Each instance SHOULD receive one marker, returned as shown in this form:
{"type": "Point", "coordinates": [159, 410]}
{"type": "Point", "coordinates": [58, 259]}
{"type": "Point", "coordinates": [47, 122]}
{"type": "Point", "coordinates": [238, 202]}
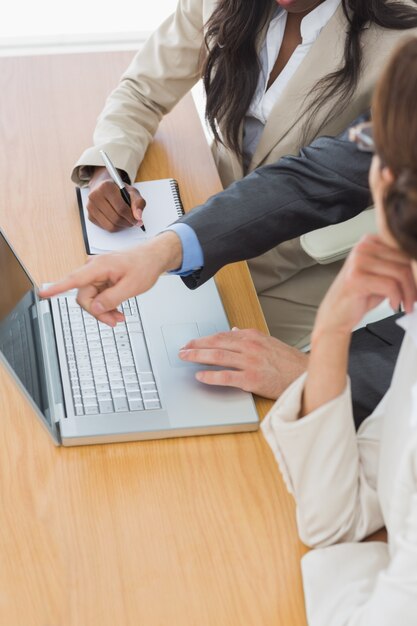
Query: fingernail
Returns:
{"type": "Point", "coordinates": [235, 328]}
{"type": "Point", "coordinates": [182, 352]}
{"type": "Point", "coordinates": [97, 307]}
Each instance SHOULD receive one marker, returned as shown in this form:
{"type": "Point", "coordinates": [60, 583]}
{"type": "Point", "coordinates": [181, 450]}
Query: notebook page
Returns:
{"type": "Point", "coordinates": [163, 206]}
{"type": "Point", "coordinates": [162, 209]}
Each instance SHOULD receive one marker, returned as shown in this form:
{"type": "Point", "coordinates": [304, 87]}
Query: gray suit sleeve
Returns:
{"type": "Point", "coordinates": [326, 184]}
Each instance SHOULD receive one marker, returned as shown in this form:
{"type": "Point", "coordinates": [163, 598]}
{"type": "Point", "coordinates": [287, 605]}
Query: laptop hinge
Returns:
{"type": "Point", "coordinates": [52, 371]}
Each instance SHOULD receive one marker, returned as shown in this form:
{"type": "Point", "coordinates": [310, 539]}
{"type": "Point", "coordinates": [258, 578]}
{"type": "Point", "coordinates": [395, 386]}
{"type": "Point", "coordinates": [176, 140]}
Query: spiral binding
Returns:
{"type": "Point", "coordinates": [177, 198]}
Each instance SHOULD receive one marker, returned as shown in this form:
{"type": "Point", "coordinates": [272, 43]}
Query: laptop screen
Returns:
{"type": "Point", "coordinates": [19, 328]}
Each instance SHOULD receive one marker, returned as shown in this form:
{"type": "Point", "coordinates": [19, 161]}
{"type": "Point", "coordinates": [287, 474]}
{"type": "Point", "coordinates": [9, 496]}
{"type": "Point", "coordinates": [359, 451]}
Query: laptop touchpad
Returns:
{"type": "Point", "coordinates": [177, 335]}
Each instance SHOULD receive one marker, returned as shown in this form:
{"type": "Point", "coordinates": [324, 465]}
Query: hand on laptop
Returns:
{"type": "Point", "coordinates": [106, 207]}
{"type": "Point", "coordinates": [105, 281]}
{"type": "Point", "coordinates": [258, 363]}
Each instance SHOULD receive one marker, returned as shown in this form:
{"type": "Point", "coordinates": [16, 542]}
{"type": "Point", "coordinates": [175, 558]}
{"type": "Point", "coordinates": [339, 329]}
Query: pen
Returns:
{"type": "Point", "coordinates": [115, 176]}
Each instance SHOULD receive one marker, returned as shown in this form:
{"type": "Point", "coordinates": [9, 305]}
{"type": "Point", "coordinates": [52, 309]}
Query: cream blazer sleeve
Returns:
{"type": "Point", "coordinates": [160, 74]}
{"type": "Point", "coordinates": [365, 584]}
{"type": "Point", "coordinates": [347, 485]}
{"type": "Point", "coordinates": [330, 470]}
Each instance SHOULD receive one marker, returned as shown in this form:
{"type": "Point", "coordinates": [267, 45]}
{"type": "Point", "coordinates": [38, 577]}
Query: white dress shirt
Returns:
{"type": "Point", "coordinates": [346, 486]}
{"type": "Point", "coordinates": [264, 99]}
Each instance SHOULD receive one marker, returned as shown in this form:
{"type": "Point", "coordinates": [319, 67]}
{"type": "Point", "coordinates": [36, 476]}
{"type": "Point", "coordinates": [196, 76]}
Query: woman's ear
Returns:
{"type": "Point", "coordinates": [387, 176]}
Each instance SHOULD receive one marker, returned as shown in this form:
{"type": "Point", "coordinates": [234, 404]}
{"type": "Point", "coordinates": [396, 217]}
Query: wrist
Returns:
{"type": "Point", "coordinates": [334, 321]}
{"type": "Point", "coordinates": [327, 334]}
{"type": "Point", "coordinates": [100, 173]}
{"type": "Point", "coordinates": [327, 368]}
{"type": "Point", "coordinates": [329, 348]}
{"type": "Point", "coordinates": [167, 250]}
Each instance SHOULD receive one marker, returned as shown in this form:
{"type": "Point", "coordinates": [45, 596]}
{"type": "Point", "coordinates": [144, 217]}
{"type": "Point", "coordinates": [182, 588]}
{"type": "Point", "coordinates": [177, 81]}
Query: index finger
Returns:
{"type": "Point", "coordinates": [81, 277]}
{"type": "Point", "coordinates": [380, 249]}
{"type": "Point", "coordinates": [228, 340]}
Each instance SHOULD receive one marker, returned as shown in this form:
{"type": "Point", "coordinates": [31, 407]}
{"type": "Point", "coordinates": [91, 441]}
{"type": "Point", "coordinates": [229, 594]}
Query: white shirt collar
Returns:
{"type": "Point", "coordinates": [264, 100]}
{"type": "Point", "coordinates": [409, 323]}
{"type": "Point", "coordinates": [314, 21]}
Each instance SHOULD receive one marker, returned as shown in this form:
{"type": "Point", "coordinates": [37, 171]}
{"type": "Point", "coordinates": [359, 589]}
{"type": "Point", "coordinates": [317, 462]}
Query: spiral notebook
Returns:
{"type": "Point", "coordinates": [163, 207]}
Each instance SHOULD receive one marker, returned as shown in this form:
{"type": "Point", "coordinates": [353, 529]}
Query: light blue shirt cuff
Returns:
{"type": "Point", "coordinates": [192, 252]}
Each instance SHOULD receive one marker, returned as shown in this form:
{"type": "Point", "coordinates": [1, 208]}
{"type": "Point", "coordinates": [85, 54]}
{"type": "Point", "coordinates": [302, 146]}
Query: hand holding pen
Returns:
{"type": "Point", "coordinates": [112, 204]}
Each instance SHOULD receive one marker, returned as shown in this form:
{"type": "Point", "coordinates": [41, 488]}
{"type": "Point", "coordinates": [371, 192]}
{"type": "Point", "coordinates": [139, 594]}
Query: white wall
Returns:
{"type": "Point", "coordinates": [54, 22]}
{"type": "Point", "coordinates": [34, 18]}
{"type": "Point", "coordinates": [51, 26]}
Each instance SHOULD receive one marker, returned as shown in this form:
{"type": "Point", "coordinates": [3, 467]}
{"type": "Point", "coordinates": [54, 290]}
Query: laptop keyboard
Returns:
{"type": "Point", "coordinates": [109, 368]}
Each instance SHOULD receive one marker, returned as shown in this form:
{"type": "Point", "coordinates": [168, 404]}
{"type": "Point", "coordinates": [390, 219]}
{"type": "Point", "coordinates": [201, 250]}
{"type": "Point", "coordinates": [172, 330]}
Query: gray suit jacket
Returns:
{"type": "Point", "coordinates": [326, 184]}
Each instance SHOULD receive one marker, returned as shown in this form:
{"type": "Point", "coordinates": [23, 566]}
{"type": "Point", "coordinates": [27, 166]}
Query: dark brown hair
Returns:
{"type": "Point", "coordinates": [394, 113]}
{"type": "Point", "coordinates": [231, 68]}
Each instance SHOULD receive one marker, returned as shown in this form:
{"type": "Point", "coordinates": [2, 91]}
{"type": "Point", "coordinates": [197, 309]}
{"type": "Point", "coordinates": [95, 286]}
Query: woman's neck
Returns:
{"type": "Point", "coordinates": [291, 39]}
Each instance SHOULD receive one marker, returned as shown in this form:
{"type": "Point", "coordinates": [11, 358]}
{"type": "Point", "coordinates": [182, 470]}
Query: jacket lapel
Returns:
{"type": "Point", "coordinates": [288, 110]}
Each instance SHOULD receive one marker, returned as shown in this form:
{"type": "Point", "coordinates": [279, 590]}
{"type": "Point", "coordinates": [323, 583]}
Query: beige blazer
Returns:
{"type": "Point", "coordinates": [168, 66]}
{"type": "Point", "coordinates": [348, 485]}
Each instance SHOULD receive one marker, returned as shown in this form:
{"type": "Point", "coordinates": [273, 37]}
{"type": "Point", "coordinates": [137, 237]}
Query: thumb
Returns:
{"type": "Point", "coordinates": [137, 204]}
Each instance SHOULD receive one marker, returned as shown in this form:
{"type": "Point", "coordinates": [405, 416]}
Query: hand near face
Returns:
{"type": "Point", "coordinates": [254, 361]}
{"type": "Point", "coordinates": [373, 272]}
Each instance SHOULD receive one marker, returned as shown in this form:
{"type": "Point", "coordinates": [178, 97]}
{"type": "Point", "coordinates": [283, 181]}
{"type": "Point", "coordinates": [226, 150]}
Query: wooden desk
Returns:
{"type": "Point", "coordinates": [185, 532]}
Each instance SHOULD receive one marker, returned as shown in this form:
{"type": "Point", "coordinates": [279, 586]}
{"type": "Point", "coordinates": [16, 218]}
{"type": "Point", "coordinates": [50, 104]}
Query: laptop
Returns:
{"type": "Point", "coordinates": [89, 383]}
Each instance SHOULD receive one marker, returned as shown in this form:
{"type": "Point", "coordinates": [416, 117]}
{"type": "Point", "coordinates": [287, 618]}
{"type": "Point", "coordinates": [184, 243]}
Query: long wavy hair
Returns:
{"type": "Point", "coordinates": [231, 67]}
